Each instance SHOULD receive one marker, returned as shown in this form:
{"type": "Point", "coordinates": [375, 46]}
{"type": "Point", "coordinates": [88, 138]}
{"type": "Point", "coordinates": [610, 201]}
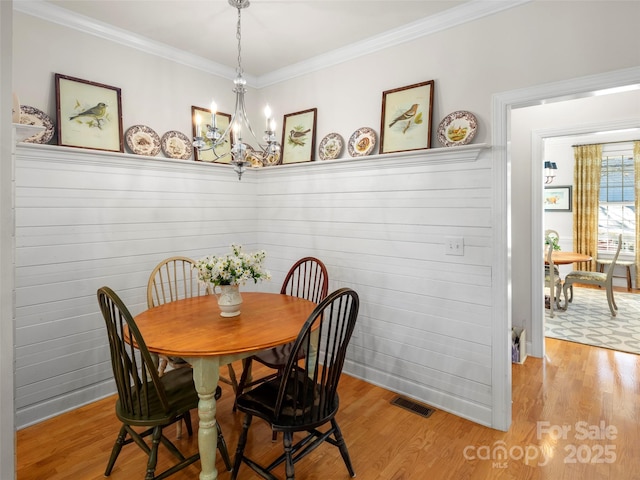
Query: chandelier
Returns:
{"type": "Point", "coordinates": [239, 129]}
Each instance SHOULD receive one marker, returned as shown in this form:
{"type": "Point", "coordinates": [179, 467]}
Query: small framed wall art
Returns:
{"type": "Point", "coordinates": [299, 136]}
{"type": "Point", "coordinates": [407, 118]}
{"type": "Point", "coordinates": [201, 118]}
{"type": "Point", "coordinates": [557, 199]}
{"type": "Point", "coordinates": [89, 114]}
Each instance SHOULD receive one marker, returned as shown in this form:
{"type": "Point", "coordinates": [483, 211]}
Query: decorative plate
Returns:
{"type": "Point", "coordinates": [254, 158]}
{"type": "Point", "coordinates": [457, 128]}
{"type": "Point", "coordinates": [176, 144]}
{"type": "Point", "coordinates": [33, 116]}
{"type": "Point", "coordinates": [331, 146]}
{"type": "Point", "coordinates": [272, 159]}
{"type": "Point", "coordinates": [142, 140]}
{"type": "Point", "coordinates": [362, 142]}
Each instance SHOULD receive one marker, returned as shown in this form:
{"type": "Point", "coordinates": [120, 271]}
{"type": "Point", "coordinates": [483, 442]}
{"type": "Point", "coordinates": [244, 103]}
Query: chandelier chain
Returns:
{"type": "Point", "coordinates": [239, 37]}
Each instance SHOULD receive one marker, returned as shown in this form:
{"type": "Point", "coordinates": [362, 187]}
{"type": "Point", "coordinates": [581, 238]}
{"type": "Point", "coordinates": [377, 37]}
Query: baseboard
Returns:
{"type": "Point", "coordinates": [474, 412]}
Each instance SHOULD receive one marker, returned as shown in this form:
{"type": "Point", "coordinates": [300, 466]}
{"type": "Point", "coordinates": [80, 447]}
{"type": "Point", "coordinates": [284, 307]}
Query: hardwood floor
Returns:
{"type": "Point", "coordinates": [576, 415]}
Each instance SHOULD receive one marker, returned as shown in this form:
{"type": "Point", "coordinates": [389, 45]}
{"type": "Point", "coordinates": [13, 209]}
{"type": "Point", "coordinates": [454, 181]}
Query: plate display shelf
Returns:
{"type": "Point", "coordinates": [432, 156]}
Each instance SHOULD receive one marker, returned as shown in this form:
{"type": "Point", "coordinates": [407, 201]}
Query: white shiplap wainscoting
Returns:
{"type": "Point", "coordinates": [380, 224]}
{"type": "Point", "coordinates": [86, 219]}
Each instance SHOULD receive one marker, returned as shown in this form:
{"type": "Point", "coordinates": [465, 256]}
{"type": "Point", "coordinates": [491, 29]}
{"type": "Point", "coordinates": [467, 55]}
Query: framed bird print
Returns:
{"type": "Point", "coordinates": [299, 136]}
{"type": "Point", "coordinates": [201, 120]}
{"type": "Point", "coordinates": [89, 114]}
{"type": "Point", "coordinates": [406, 118]}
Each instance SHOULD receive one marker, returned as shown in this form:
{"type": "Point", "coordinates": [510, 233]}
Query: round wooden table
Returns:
{"type": "Point", "coordinates": [561, 257]}
{"type": "Point", "coordinates": [193, 329]}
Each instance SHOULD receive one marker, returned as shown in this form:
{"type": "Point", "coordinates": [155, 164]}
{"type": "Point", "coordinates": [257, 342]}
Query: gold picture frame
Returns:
{"type": "Point", "coordinates": [222, 122]}
{"type": "Point", "coordinates": [89, 114]}
{"type": "Point", "coordinates": [299, 136]}
{"type": "Point", "coordinates": [407, 118]}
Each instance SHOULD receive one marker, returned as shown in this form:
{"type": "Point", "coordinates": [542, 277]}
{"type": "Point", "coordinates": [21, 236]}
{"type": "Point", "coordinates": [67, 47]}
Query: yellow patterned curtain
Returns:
{"type": "Point", "coordinates": [636, 166]}
{"type": "Point", "coordinates": [586, 191]}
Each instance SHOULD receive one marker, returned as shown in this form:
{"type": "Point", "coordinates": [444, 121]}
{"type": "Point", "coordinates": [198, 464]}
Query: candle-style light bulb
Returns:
{"type": "Point", "coordinates": [214, 111]}
{"type": "Point", "coordinates": [198, 125]}
{"type": "Point", "coordinates": [272, 126]}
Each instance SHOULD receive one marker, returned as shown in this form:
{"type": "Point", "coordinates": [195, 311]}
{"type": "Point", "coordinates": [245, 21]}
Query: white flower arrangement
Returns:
{"type": "Point", "coordinates": [235, 268]}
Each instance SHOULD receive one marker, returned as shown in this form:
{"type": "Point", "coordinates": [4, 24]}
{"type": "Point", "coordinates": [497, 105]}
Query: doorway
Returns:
{"type": "Point", "coordinates": [519, 276]}
{"type": "Point", "coordinates": [606, 130]}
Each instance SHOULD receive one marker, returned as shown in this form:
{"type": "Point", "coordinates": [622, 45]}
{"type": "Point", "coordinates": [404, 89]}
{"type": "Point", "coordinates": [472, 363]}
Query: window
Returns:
{"type": "Point", "coordinates": [617, 201]}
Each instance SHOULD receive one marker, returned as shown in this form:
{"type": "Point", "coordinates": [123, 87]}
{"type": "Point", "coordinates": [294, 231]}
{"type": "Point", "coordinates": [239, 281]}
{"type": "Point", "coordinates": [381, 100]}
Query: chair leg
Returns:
{"type": "Point", "coordinates": [222, 446]}
{"type": "Point", "coordinates": [115, 451]}
{"type": "Point", "coordinates": [153, 455]}
{"type": "Point", "coordinates": [179, 428]}
{"type": "Point", "coordinates": [343, 447]}
{"type": "Point", "coordinates": [187, 422]}
{"type": "Point", "coordinates": [566, 302]}
{"type": "Point", "coordinates": [242, 442]}
{"type": "Point", "coordinates": [287, 441]}
{"type": "Point", "coordinates": [612, 304]}
{"type": "Point", "coordinates": [570, 288]}
{"type": "Point", "coordinates": [246, 372]}
{"type": "Point", "coordinates": [162, 365]}
{"type": "Point", "coordinates": [233, 379]}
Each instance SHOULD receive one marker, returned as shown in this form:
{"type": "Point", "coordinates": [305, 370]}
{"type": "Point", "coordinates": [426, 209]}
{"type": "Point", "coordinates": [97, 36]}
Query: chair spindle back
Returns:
{"type": "Point", "coordinates": [308, 391]}
{"type": "Point", "coordinates": [139, 386]}
{"type": "Point", "coordinates": [307, 278]}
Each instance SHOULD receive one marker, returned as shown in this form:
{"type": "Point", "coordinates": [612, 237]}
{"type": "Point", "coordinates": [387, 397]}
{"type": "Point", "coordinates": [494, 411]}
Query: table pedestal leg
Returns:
{"type": "Point", "coordinates": [206, 372]}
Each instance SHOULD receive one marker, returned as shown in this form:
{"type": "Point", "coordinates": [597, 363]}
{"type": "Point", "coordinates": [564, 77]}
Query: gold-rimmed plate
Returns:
{"type": "Point", "coordinates": [331, 146]}
{"type": "Point", "coordinates": [176, 144]}
{"type": "Point", "coordinates": [457, 128]}
{"type": "Point", "coordinates": [142, 140]}
{"type": "Point", "coordinates": [362, 142]}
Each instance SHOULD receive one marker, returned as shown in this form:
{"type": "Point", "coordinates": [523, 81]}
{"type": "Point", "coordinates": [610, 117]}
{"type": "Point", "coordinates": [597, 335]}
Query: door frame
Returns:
{"type": "Point", "coordinates": [502, 104]}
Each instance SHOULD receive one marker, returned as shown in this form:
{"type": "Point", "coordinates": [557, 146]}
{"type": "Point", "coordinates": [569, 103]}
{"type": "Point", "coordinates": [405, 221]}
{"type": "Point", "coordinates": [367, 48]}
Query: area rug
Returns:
{"type": "Point", "coordinates": [589, 321]}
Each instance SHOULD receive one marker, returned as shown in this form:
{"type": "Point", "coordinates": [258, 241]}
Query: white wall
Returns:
{"type": "Point", "coordinates": [7, 419]}
{"type": "Point", "coordinates": [534, 43]}
{"type": "Point", "coordinates": [469, 63]}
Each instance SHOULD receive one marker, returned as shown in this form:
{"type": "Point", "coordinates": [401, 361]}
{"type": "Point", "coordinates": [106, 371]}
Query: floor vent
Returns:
{"type": "Point", "coordinates": [412, 406]}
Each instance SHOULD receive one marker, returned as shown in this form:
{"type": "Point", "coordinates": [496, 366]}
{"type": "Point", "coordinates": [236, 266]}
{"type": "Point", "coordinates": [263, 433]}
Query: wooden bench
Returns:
{"type": "Point", "coordinates": [627, 264]}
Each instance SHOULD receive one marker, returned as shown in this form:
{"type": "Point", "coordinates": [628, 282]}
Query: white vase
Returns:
{"type": "Point", "coordinates": [229, 300]}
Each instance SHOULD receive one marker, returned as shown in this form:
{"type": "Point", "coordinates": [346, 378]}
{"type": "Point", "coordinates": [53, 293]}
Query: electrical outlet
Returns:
{"type": "Point", "coordinates": [454, 245]}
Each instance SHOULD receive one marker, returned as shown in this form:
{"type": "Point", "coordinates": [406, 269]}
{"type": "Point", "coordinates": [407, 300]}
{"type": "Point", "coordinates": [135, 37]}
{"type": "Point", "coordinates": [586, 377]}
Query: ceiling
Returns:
{"type": "Point", "coordinates": [275, 33]}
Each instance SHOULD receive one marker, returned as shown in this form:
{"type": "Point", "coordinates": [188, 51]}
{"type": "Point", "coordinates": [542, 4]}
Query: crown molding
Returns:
{"type": "Point", "coordinates": [464, 13]}
{"type": "Point", "coordinates": [52, 13]}
{"type": "Point", "coordinates": [452, 17]}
